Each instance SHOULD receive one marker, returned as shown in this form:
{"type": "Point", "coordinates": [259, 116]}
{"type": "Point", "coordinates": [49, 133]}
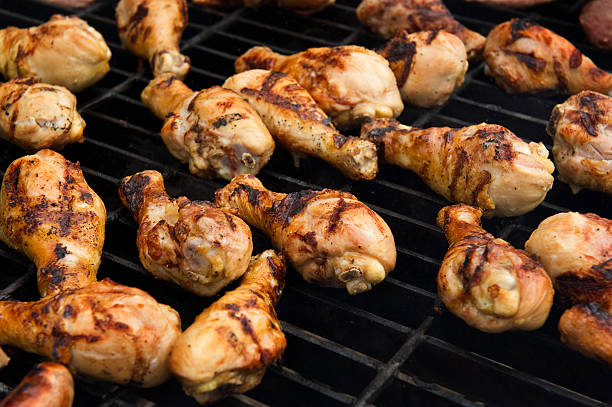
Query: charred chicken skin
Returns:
{"type": "Point", "coordinates": [64, 51]}
{"type": "Point", "coordinates": [330, 237]}
{"type": "Point", "coordinates": [526, 57]}
{"type": "Point", "coordinates": [297, 6]}
{"type": "Point", "coordinates": [484, 165]}
{"type": "Point", "coordinates": [46, 385]}
{"type": "Point", "coordinates": [230, 345]}
{"type": "Point", "coordinates": [351, 84]}
{"type": "Point", "coordinates": [299, 125]}
{"type": "Point", "coordinates": [35, 115]}
{"type": "Point", "coordinates": [48, 212]}
{"type": "Point", "coordinates": [194, 244]}
{"type": "Point", "coordinates": [152, 30]}
{"type": "Point", "coordinates": [485, 281]}
{"type": "Point", "coordinates": [214, 130]}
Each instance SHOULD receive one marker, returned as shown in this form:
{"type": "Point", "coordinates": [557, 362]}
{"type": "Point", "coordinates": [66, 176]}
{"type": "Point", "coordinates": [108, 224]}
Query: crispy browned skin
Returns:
{"type": "Point", "coordinates": [152, 30]}
{"type": "Point", "coordinates": [350, 83]}
{"type": "Point", "coordinates": [230, 345]}
{"type": "Point", "coordinates": [35, 115]}
{"type": "Point", "coordinates": [216, 131]}
{"type": "Point", "coordinates": [46, 385]}
{"type": "Point", "coordinates": [194, 244]}
{"type": "Point", "coordinates": [388, 17]}
{"type": "Point", "coordinates": [485, 281]}
{"type": "Point", "coordinates": [105, 330]}
{"type": "Point", "coordinates": [526, 57]}
{"type": "Point", "coordinates": [65, 51]}
{"type": "Point", "coordinates": [330, 237]}
{"type": "Point", "coordinates": [581, 129]}
{"type": "Point", "coordinates": [596, 21]}
{"type": "Point", "coordinates": [48, 212]}
{"type": "Point", "coordinates": [297, 6]}
{"type": "Point", "coordinates": [484, 165]}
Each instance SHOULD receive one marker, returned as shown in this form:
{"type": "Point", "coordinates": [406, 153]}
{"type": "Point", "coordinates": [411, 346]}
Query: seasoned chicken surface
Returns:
{"type": "Point", "coordinates": [351, 84]}
{"type": "Point", "coordinates": [428, 65]}
{"type": "Point", "coordinates": [216, 131]}
{"type": "Point", "coordinates": [485, 281]}
{"type": "Point", "coordinates": [576, 250]}
{"type": "Point", "coordinates": [48, 212]}
{"type": "Point", "coordinates": [299, 125]}
{"type": "Point", "coordinates": [230, 345]}
{"type": "Point", "coordinates": [526, 57]}
{"type": "Point", "coordinates": [64, 51]}
{"type": "Point", "coordinates": [484, 165]}
{"type": "Point", "coordinates": [581, 129]}
{"type": "Point", "coordinates": [388, 17]}
{"type": "Point", "coordinates": [194, 244]}
{"type": "Point", "coordinates": [596, 21]}
{"type": "Point", "coordinates": [152, 30]}
{"type": "Point", "coordinates": [35, 115]}
{"type": "Point", "coordinates": [297, 6]}
{"type": "Point", "coordinates": [330, 237]}
{"type": "Point", "coordinates": [48, 384]}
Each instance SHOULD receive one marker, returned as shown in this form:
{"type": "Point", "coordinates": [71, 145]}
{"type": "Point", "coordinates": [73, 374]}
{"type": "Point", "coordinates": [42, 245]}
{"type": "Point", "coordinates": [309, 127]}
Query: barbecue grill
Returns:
{"type": "Point", "coordinates": [393, 346]}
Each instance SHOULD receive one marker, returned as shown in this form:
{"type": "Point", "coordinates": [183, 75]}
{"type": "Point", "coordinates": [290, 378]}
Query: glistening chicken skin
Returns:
{"type": "Point", "coordinates": [48, 384]}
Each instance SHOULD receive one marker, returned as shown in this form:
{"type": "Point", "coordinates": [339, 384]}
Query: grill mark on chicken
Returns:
{"type": "Point", "coordinates": [603, 317]}
{"type": "Point", "coordinates": [588, 122]}
{"type": "Point", "coordinates": [528, 59]}
{"type": "Point", "coordinates": [516, 27]}
{"type": "Point", "coordinates": [291, 205]}
{"type": "Point", "coordinates": [134, 188]}
{"type": "Point", "coordinates": [432, 36]}
{"type": "Point", "coordinates": [460, 163]}
{"type": "Point", "coordinates": [561, 77]}
{"type": "Point", "coordinates": [575, 59]}
{"type": "Point", "coordinates": [141, 12]}
{"type": "Point", "coordinates": [589, 101]}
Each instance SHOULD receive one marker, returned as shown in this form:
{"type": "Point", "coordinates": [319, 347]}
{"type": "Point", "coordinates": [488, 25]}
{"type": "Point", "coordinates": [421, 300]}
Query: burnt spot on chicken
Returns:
{"type": "Point", "coordinates": [292, 204]}
{"type": "Point", "coordinates": [517, 26]}
{"type": "Point", "coordinates": [227, 119]}
{"type": "Point", "coordinates": [529, 59]}
{"type": "Point", "coordinates": [595, 309]}
{"type": "Point", "coordinates": [575, 59]}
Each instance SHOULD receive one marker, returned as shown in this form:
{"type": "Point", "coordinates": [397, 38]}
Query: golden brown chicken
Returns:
{"type": "Point", "coordinates": [330, 237]}
{"type": "Point", "coordinates": [48, 384]}
{"type": "Point", "coordinates": [351, 84]}
{"type": "Point", "coordinates": [484, 165]}
{"type": "Point", "coordinates": [152, 30]}
{"type": "Point", "coordinates": [230, 345]}
{"type": "Point", "coordinates": [297, 6]}
{"type": "Point", "coordinates": [388, 17]}
{"type": "Point", "coordinates": [35, 115]}
{"type": "Point", "coordinates": [575, 249]}
{"type": "Point", "coordinates": [215, 130]}
{"type": "Point", "coordinates": [48, 212]}
{"type": "Point", "coordinates": [581, 129]}
{"type": "Point", "coordinates": [194, 244]}
{"type": "Point", "coordinates": [526, 57]}
{"type": "Point", "coordinates": [485, 281]}
{"type": "Point", "coordinates": [64, 51]}
{"type": "Point", "coordinates": [428, 65]}
{"type": "Point", "coordinates": [299, 125]}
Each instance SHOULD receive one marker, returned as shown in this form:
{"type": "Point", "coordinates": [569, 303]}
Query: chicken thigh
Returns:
{"type": "Point", "coordinates": [48, 384]}
{"type": "Point", "coordinates": [297, 6]}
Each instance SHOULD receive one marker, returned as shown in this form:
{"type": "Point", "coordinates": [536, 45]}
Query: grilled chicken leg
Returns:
{"type": "Point", "coordinates": [64, 51]}
{"type": "Point", "coordinates": [486, 282]}
{"type": "Point", "coordinates": [297, 6]}
{"type": "Point", "coordinates": [48, 212]}
{"type": "Point", "coordinates": [152, 30]}
{"type": "Point", "coordinates": [298, 124]}
{"type": "Point", "coordinates": [526, 57]}
{"type": "Point", "coordinates": [230, 345]}
{"type": "Point", "coordinates": [350, 83]}
{"type": "Point", "coordinates": [46, 385]}
{"type": "Point", "coordinates": [194, 244]}
{"type": "Point", "coordinates": [35, 115]}
{"type": "Point", "coordinates": [215, 130]}
{"type": "Point", "coordinates": [330, 237]}
{"type": "Point", "coordinates": [484, 165]}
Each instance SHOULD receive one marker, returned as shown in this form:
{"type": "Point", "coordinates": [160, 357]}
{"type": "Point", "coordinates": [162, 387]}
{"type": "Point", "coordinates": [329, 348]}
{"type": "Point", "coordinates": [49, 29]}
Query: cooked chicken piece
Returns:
{"type": "Point", "coordinates": [194, 244]}
{"type": "Point", "coordinates": [152, 30]}
{"type": "Point", "coordinates": [485, 281]}
{"type": "Point", "coordinates": [596, 21]}
{"type": "Point", "coordinates": [350, 83]}
{"type": "Point", "coordinates": [513, 3]}
{"type": "Point", "coordinates": [230, 345]}
{"type": "Point", "coordinates": [428, 65]}
{"type": "Point", "coordinates": [484, 165]}
{"type": "Point", "coordinates": [215, 130]}
{"type": "Point", "coordinates": [46, 385]}
{"type": "Point", "coordinates": [35, 115]}
{"type": "Point", "coordinates": [64, 51]}
{"type": "Point", "coordinates": [297, 6]}
{"type": "Point", "coordinates": [388, 17]}
{"type": "Point", "coordinates": [48, 212]}
{"type": "Point", "coordinates": [581, 129]}
{"type": "Point", "coordinates": [526, 57]}
{"type": "Point", "coordinates": [575, 249]}
{"type": "Point", "coordinates": [330, 237]}
{"type": "Point", "coordinates": [299, 125]}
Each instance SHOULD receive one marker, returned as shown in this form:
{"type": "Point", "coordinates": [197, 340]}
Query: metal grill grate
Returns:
{"type": "Point", "coordinates": [388, 347]}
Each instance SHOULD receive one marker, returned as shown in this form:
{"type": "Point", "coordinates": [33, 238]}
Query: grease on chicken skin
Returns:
{"type": "Point", "coordinates": [485, 281]}
{"type": "Point", "coordinates": [48, 384]}
{"type": "Point", "coordinates": [297, 6]}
